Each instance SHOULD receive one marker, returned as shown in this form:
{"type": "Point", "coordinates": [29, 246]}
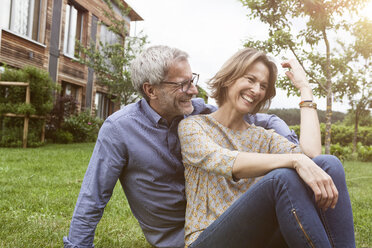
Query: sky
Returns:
{"type": "Point", "coordinates": [210, 31]}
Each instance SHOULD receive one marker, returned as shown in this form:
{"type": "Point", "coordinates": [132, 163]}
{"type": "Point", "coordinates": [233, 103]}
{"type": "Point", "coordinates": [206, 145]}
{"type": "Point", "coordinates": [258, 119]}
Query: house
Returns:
{"type": "Point", "coordinates": [43, 33]}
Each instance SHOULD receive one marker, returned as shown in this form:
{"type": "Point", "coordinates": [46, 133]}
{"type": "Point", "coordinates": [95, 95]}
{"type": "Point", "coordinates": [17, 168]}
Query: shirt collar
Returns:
{"type": "Point", "coordinates": [154, 117]}
{"type": "Point", "coordinates": [150, 112]}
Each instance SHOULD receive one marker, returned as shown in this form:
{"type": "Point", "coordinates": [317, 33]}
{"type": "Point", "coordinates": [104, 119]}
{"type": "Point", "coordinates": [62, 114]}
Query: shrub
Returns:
{"type": "Point", "coordinates": [64, 137]}
{"type": "Point", "coordinates": [12, 100]}
{"type": "Point", "coordinates": [64, 107]}
{"type": "Point", "coordinates": [83, 126]}
{"type": "Point", "coordinates": [343, 134]}
{"type": "Point", "coordinates": [41, 89]}
{"type": "Point", "coordinates": [342, 152]}
{"type": "Point", "coordinates": [11, 133]}
{"type": "Point", "coordinates": [365, 135]}
{"type": "Point", "coordinates": [364, 152]}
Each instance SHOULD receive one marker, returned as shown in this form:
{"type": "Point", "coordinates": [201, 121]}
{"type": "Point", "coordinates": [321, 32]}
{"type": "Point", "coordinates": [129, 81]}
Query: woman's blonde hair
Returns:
{"type": "Point", "coordinates": [235, 68]}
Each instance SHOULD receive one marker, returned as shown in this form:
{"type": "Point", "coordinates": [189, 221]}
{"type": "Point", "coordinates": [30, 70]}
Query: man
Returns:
{"type": "Point", "coordinates": [139, 146]}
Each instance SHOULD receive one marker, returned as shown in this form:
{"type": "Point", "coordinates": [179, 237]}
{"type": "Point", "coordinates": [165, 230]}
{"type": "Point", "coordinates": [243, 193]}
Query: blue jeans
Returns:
{"type": "Point", "coordinates": [279, 211]}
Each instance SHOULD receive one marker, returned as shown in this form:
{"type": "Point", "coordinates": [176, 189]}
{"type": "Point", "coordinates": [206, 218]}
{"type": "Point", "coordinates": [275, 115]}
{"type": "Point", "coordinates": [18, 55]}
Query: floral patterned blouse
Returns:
{"type": "Point", "coordinates": [209, 150]}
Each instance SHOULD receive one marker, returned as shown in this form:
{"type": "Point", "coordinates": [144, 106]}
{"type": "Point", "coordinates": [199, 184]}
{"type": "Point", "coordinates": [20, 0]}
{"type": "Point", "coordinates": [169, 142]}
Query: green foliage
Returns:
{"type": "Point", "coordinates": [83, 127]}
{"type": "Point", "coordinates": [202, 94]}
{"type": "Point", "coordinates": [364, 153]}
{"type": "Point", "coordinates": [342, 152]}
{"type": "Point", "coordinates": [328, 68]}
{"type": "Point", "coordinates": [66, 125]}
{"type": "Point", "coordinates": [342, 142]}
{"type": "Point", "coordinates": [343, 135]}
{"type": "Point", "coordinates": [11, 132]}
{"type": "Point", "coordinates": [64, 107]}
{"type": "Point", "coordinates": [111, 61]}
{"type": "Point", "coordinates": [12, 100]}
{"type": "Point", "coordinates": [25, 109]}
{"type": "Point", "coordinates": [292, 116]}
{"type": "Point", "coordinates": [17, 108]}
{"type": "Point", "coordinates": [364, 120]}
{"type": "Point", "coordinates": [63, 137]}
{"type": "Point", "coordinates": [41, 89]}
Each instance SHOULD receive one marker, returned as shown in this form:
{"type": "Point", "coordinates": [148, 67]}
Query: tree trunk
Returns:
{"type": "Point", "coordinates": [327, 138]}
{"type": "Point", "coordinates": [355, 135]}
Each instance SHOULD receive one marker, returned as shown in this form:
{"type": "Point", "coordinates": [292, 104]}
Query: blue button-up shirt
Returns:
{"type": "Point", "coordinates": [138, 147]}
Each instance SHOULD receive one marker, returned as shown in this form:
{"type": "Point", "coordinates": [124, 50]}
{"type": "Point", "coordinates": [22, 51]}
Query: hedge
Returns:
{"type": "Point", "coordinates": [12, 100]}
{"type": "Point", "coordinates": [343, 135]}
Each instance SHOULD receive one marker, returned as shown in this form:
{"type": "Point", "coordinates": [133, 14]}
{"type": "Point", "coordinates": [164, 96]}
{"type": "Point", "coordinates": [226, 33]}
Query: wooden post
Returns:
{"type": "Point", "coordinates": [26, 117]}
{"type": "Point", "coordinates": [27, 94]}
{"type": "Point", "coordinates": [25, 126]}
{"type": "Point", "coordinates": [25, 132]}
{"type": "Point", "coordinates": [43, 131]}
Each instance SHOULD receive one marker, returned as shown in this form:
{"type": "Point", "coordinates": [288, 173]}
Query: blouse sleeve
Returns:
{"type": "Point", "coordinates": [199, 150]}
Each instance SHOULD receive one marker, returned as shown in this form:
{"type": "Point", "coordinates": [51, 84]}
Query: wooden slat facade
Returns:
{"type": "Point", "coordinates": [18, 51]}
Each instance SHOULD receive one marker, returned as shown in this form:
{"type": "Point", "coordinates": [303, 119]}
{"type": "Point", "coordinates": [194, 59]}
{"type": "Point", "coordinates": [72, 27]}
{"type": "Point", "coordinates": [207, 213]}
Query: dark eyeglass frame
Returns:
{"type": "Point", "coordinates": [185, 85]}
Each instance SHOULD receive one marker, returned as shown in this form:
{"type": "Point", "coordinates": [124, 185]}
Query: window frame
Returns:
{"type": "Point", "coordinates": [69, 43]}
{"type": "Point", "coordinates": [35, 19]}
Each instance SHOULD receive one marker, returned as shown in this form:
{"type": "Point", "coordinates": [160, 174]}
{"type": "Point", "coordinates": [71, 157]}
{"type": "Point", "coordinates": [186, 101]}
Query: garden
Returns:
{"type": "Point", "coordinates": [60, 122]}
{"type": "Point", "coordinates": [39, 190]}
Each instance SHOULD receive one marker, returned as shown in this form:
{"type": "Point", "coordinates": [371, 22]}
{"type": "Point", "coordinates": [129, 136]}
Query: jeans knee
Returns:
{"type": "Point", "coordinates": [330, 164]}
{"type": "Point", "coordinates": [286, 176]}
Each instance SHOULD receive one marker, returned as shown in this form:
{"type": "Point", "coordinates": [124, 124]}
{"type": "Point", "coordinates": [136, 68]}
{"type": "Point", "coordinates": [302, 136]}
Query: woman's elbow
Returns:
{"type": "Point", "coordinates": [313, 152]}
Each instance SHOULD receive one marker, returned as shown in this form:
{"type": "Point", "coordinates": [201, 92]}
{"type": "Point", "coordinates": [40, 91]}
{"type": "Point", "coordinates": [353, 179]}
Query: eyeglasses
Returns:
{"type": "Point", "coordinates": [185, 85]}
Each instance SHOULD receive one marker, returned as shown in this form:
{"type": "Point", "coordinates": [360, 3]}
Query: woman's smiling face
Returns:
{"type": "Point", "coordinates": [250, 89]}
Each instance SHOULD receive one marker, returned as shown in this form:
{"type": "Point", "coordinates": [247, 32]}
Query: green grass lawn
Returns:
{"type": "Point", "coordinates": [39, 188]}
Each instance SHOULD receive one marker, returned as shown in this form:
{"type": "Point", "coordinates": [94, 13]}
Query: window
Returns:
{"type": "Point", "coordinates": [5, 14]}
{"type": "Point", "coordinates": [107, 36]}
{"type": "Point", "coordinates": [21, 17]}
{"type": "Point", "coordinates": [74, 23]}
{"type": "Point", "coordinates": [102, 103]}
{"type": "Point", "coordinates": [71, 90]}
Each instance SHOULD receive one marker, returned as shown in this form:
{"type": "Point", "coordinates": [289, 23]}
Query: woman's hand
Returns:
{"type": "Point", "coordinates": [297, 75]}
{"type": "Point", "coordinates": [325, 191]}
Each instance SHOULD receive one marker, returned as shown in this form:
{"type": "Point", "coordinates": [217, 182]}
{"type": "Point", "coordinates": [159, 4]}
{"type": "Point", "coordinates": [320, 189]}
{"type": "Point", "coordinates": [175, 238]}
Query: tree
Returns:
{"type": "Point", "coordinates": [110, 60]}
{"type": "Point", "coordinates": [360, 53]}
{"type": "Point", "coordinates": [317, 21]}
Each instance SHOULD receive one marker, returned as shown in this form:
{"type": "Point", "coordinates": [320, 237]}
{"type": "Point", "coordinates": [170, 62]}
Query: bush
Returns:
{"type": "Point", "coordinates": [64, 137]}
{"type": "Point", "coordinates": [41, 89]}
{"type": "Point", "coordinates": [11, 133]}
{"type": "Point", "coordinates": [12, 100]}
{"type": "Point", "coordinates": [83, 127]}
{"type": "Point", "coordinates": [64, 107]}
{"type": "Point", "coordinates": [365, 135]}
{"type": "Point", "coordinates": [364, 152]}
{"type": "Point", "coordinates": [342, 152]}
{"type": "Point", "coordinates": [343, 134]}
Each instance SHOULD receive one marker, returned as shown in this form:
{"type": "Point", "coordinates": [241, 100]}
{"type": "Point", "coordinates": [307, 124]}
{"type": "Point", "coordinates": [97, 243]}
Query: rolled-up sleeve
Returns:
{"type": "Point", "coordinates": [103, 171]}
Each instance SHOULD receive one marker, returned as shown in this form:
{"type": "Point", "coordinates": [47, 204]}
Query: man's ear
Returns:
{"type": "Point", "coordinates": [150, 90]}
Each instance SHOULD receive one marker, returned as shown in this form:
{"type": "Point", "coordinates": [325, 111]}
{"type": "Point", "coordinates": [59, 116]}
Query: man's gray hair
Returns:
{"type": "Point", "coordinates": [152, 65]}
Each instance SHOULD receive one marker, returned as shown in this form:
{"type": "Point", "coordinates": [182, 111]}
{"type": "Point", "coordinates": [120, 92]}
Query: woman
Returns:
{"type": "Point", "coordinates": [245, 184]}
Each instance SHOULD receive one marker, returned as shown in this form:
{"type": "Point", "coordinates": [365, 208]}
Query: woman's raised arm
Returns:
{"type": "Point", "coordinates": [310, 138]}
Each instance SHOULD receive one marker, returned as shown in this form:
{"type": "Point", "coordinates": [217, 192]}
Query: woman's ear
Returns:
{"type": "Point", "coordinates": [150, 90]}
